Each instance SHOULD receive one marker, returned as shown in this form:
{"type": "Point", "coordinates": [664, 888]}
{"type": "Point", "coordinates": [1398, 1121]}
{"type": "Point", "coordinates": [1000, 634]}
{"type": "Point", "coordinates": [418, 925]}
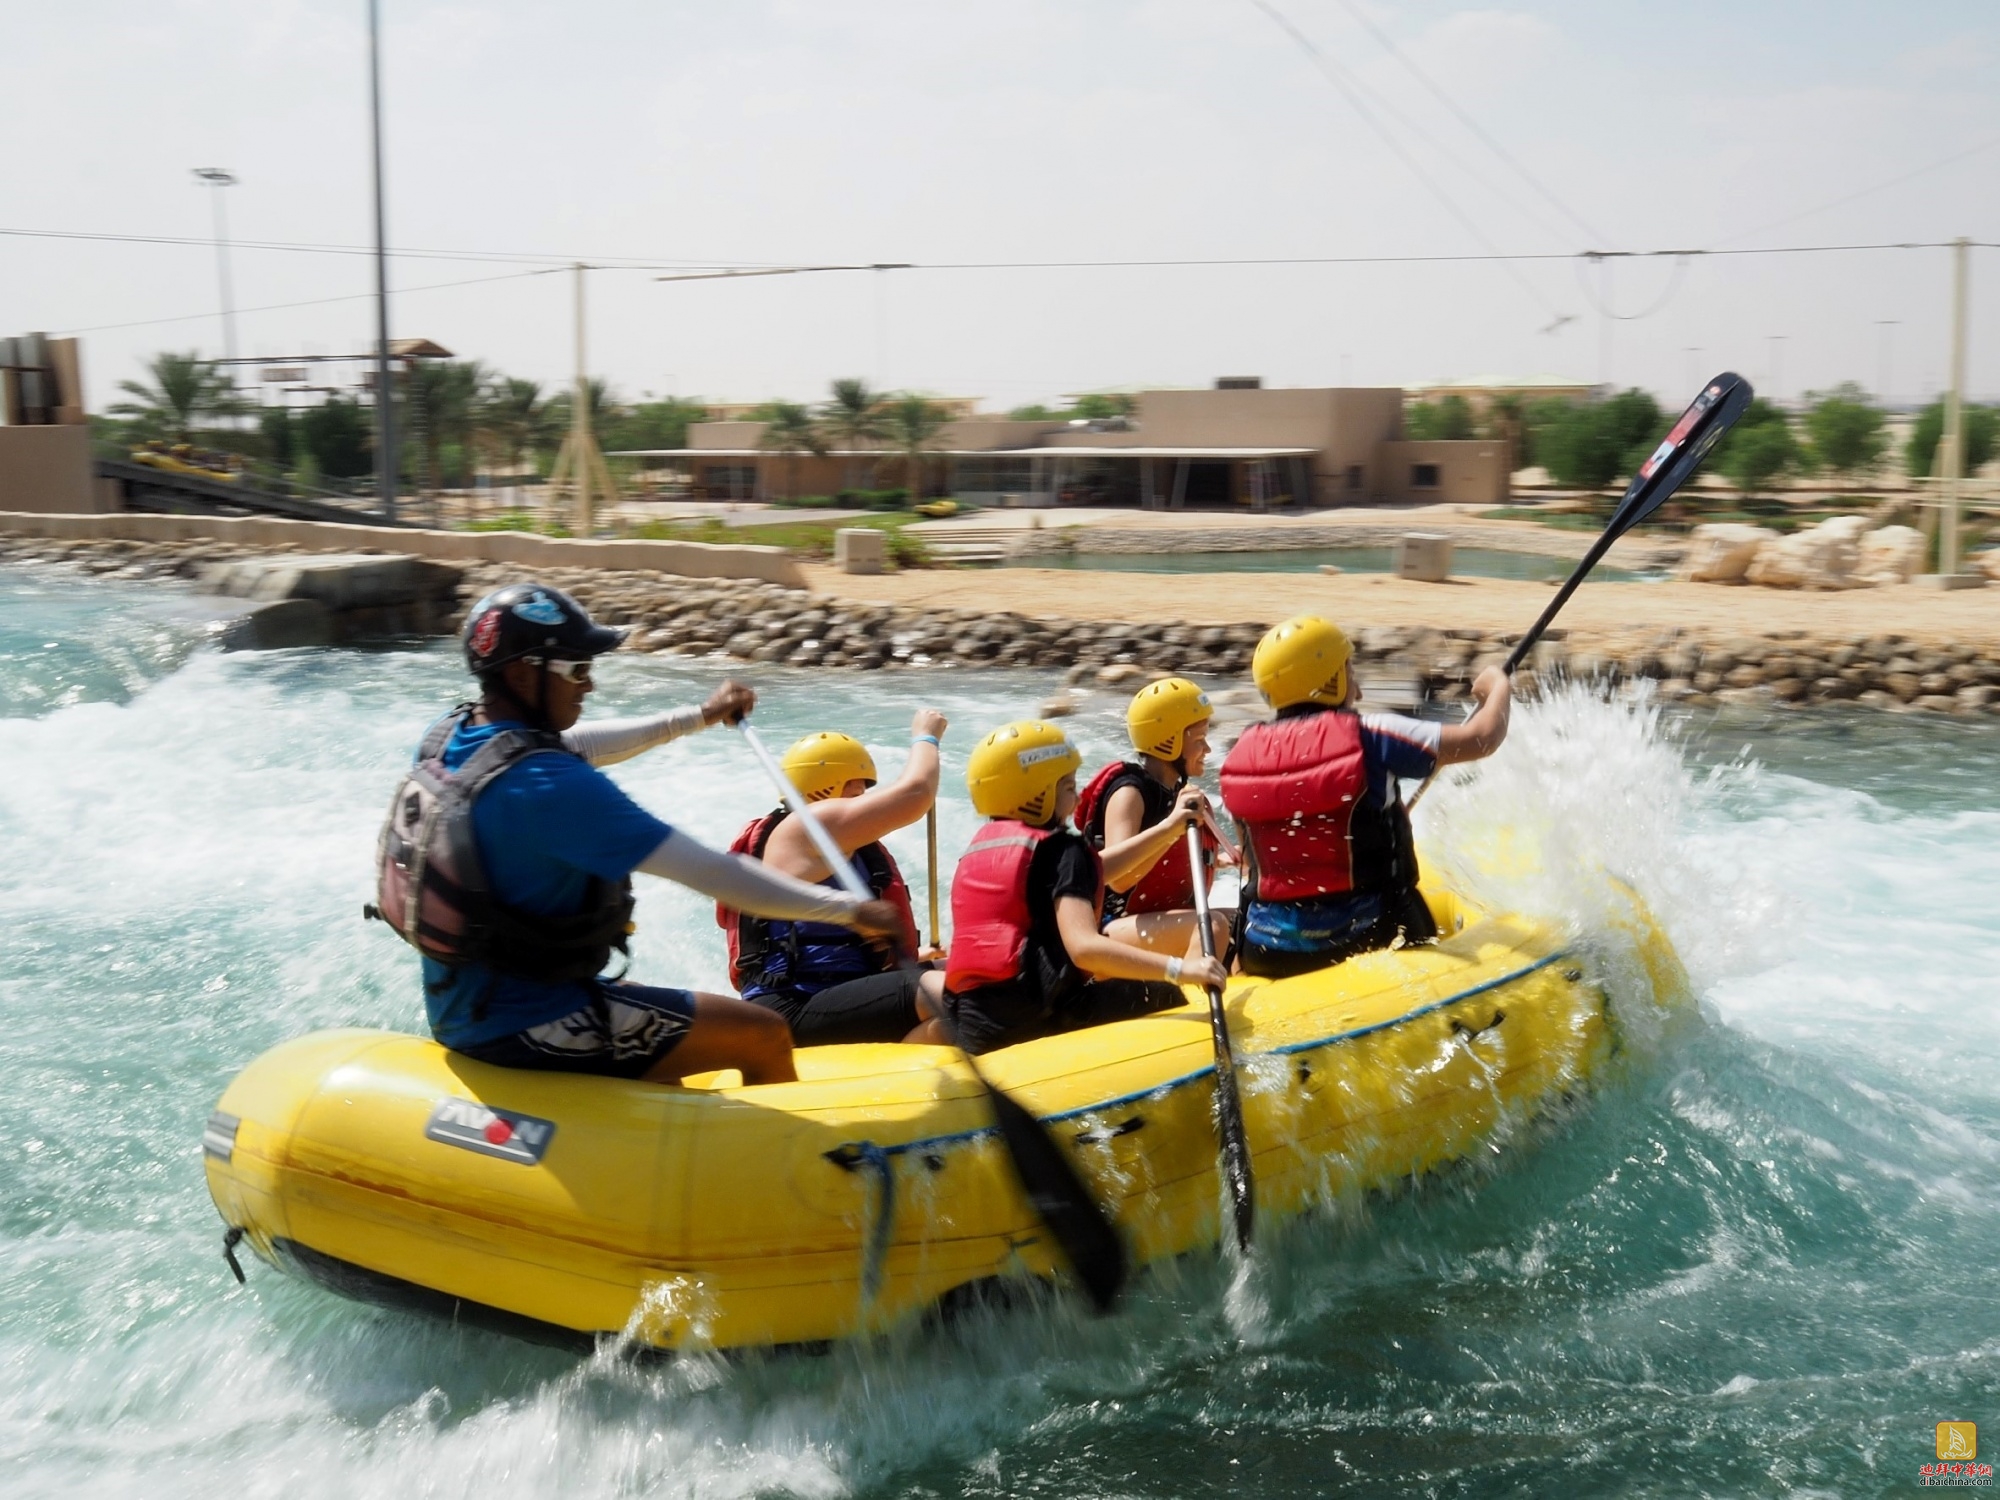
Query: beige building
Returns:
{"type": "Point", "coordinates": [1240, 446]}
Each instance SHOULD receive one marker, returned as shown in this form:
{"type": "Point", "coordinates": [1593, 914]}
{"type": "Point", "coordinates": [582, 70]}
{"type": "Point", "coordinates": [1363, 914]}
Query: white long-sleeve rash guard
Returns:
{"type": "Point", "coordinates": [608, 742]}
{"type": "Point", "coordinates": [734, 880]}
{"type": "Point", "coordinates": [746, 884]}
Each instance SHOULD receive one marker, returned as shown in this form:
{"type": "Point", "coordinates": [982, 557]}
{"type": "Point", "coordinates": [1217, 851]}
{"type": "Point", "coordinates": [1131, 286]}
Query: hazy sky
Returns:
{"type": "Point", "coordinates": [788, 132]}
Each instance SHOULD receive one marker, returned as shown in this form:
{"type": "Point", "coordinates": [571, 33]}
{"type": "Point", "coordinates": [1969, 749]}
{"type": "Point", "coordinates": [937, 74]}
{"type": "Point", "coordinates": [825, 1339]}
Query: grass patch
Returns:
{"type": "Point", "coordinates": [516, 520]}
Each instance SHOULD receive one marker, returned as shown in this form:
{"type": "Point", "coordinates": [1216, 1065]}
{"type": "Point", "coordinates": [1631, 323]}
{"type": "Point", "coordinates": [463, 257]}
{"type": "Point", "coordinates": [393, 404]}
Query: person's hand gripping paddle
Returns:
{"type": "Point", "coordinates": [1229, 1131]}
{"type": "Point", "coordinates": [1087, 1237]}
{"type": "Point", "coordinates": [1687, 443]}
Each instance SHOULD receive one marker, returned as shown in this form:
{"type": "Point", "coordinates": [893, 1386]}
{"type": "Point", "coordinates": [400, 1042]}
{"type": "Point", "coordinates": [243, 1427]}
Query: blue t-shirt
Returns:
{"type": "Point", "coordinates": [1393, 748]}
{"type": "Point", "coordinates": [544, 827]}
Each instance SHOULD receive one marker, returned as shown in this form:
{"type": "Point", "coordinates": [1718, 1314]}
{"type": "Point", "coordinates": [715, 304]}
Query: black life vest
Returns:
{"type": "Point", "coordinates": [431, 887]}
{"type": "Point", "coordinates": [769, 954]}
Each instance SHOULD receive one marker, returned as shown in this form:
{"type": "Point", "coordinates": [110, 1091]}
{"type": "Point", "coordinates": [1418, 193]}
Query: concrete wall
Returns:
{"type": "Point", "coordinates": [528, 552]}
{"type": "Point", "coordinates": [47, 469]}
{"type": "Point", "coordinates": [1469, 473]}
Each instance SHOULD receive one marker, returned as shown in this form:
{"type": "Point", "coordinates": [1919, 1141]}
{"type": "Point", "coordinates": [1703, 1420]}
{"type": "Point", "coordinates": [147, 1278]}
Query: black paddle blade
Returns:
{"type": "Point", "coordinates": [1088, 1239]}
{"type": "Point", "coordinates": [1686, 444]}
{"type": "Point", "coordinates": [1234, 1139]}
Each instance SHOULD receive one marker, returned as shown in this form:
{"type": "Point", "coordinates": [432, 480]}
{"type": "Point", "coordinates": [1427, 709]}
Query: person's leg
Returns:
{"type": "Point", "coordinates": [1177, 933]}
{"type": "Point", "coordinates": [730, 1033]}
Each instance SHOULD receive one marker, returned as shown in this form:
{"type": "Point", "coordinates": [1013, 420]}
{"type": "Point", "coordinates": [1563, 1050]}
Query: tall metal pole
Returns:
{"type": "Point", "coordinates": [218, 179]}
{"type": "Point", "coordinates": [579, 424]}
{"type": "Point", "coordinates": [385, 393]}
{"type": "Point", "coordinates": [1954, 411]}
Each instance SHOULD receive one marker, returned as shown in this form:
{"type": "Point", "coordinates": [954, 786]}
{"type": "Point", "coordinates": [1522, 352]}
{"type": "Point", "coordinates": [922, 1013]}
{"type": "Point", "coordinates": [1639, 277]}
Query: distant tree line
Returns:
{"type": "Point", "coordinates": [456, 418]}
{"type": "Point", "coordinates": [1594, 445]}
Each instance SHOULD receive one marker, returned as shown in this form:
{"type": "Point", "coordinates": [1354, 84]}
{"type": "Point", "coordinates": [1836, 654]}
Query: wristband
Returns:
{"type": "Point", "coordinates": [1173, 971]}
{"type": "Point", "coordinates": [926, 739]}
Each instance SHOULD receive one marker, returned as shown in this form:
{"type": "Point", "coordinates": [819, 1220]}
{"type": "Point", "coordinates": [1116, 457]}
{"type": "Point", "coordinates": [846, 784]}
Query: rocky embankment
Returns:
{"type": "Point", "coordinates": [765, 623]}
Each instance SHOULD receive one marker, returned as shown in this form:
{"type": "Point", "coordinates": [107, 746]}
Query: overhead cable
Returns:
{"type": "Point", "coordinates": [1335, 75]}
{"type": "Point", "coordinates": [1471, 124]}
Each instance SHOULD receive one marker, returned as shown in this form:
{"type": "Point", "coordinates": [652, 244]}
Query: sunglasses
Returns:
{"type": "Point", "coordinates": [568, 671]}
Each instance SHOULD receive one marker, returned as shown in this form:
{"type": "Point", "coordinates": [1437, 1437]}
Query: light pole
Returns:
{"type": "Point", "coordinates": [219, 179]}
{"type": "Point", "coordinates": [385, 393]}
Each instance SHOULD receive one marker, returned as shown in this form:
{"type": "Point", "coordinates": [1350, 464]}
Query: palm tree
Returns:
{"type": "Point", "coordinates": [854, 416]}
{"type": "Point", "coordinates": [438, 397]}
{"type": "Point", "coordinates": [184, 387]}
{"type": "Point", "coordinates": [913, 421]}
{"type": "Point", "coordinates": [513, 418]}
{"type": "Point", "coordinates": [790, 429]}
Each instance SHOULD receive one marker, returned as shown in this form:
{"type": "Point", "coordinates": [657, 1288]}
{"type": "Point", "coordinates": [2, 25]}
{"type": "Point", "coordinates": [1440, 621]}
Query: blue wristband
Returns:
{"type": "Point", "coordinates": [926, 739]}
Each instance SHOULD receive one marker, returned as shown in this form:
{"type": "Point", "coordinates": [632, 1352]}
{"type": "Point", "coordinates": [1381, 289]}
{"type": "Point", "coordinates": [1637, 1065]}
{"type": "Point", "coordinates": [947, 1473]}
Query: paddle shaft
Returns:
{"type": "Point", "coordinates": [930, 851]}
{"type": "Point", "coordinates": [1701, 426]}
{"type": "Point", "coordinates": [1229, 1129]}
{"type": "Point", "coordinates": [1087, 1237]}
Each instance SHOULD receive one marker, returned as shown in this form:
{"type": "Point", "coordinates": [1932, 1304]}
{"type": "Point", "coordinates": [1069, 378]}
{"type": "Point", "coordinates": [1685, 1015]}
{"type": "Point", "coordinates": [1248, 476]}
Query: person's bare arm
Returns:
{"type": "Point", "coordinates": [1103, 958]}
{"type": "Point", "coordinates": [1483, 733]}
{"type": "Point", "coordinates": [1129, 850]}
{"type": "Point", "coordinates": [855, 821]}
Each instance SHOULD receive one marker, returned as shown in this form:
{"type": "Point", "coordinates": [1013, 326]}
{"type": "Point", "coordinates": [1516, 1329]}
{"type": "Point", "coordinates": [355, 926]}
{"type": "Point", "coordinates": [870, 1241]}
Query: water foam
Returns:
{"type": "Point", "coordinates": [1756, 1264]}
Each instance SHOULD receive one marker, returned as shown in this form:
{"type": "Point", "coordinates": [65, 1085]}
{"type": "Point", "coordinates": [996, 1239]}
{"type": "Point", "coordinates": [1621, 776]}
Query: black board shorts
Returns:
{"type": "Point", "coordinates": [873, 1008]}
{"type": "Point", "coordinates": [623, 1032]}
{"type": "Point", "coordinates": [999, 1015]}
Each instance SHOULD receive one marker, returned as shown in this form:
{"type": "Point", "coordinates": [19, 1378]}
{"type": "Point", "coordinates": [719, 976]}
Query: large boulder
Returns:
{"type": "Point", "coordinates": [1819, 557]}
{"type": "Point", "coordinates": [1891, 555]}
{"type": "Point", "coordinates": [1721, 552]}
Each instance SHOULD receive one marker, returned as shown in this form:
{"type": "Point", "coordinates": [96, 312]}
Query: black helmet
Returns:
{"type": "Point", "coordinates": [532, 619]}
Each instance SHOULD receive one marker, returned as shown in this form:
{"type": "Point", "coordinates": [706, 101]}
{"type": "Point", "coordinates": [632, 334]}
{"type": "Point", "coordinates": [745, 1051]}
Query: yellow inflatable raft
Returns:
{"type": "Point", "coordinates": [388, 1168]}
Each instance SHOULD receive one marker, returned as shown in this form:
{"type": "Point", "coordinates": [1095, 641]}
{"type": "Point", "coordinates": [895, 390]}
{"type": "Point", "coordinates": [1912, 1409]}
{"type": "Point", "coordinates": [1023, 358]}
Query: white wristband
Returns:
{"type": "Point", "coordinates": [1173, 971]}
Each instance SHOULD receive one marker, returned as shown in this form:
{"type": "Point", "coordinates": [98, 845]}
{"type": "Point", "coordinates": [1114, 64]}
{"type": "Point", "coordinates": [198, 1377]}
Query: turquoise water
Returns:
{"type": "Point", "coordinates": [1760, 1261]}
{"type": "Point", "coordinates": [1466, 562]}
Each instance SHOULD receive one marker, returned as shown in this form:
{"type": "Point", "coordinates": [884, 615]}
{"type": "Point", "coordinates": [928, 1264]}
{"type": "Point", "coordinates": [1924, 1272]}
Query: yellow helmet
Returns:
{"type": "Point", "coordinates": [1303, 660]}
{"type": "Point", "coordinates": [1013, 772]}
{"type": "Point", "coordinates": [821, 764]}
{"type": "Point", "coordinates": [1161, 713]}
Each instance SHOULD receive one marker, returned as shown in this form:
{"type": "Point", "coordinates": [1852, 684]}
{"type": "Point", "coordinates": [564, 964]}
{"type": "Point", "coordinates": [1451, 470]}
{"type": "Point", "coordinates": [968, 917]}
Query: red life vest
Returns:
{"type": "Point", "coordinates": [1169, 884]}
{"type": "Point", "coordinates": [818, 952]}
{"type": "Point", "coordinates": [1299, 788]}
{"type": "Point", "coordinates": [990, 918]}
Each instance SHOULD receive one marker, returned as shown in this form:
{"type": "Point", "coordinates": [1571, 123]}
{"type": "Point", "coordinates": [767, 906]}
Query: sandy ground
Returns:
{"type": "Point", "coordinates": [1599, 611]}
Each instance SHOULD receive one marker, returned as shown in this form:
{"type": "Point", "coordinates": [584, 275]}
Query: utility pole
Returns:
{"type": "Point", "coordinates": [385, 391]}
{"type": "Point", "coordinates": [1954, 412]}
{"type": "Point", "coordinates": [218, 178]}
{"type": "Point", "coordinates": [580, 462]}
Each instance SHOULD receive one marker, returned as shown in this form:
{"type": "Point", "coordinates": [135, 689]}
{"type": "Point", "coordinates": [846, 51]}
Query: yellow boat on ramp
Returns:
{"type": "Point", "coordinates": [875, 1187]}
